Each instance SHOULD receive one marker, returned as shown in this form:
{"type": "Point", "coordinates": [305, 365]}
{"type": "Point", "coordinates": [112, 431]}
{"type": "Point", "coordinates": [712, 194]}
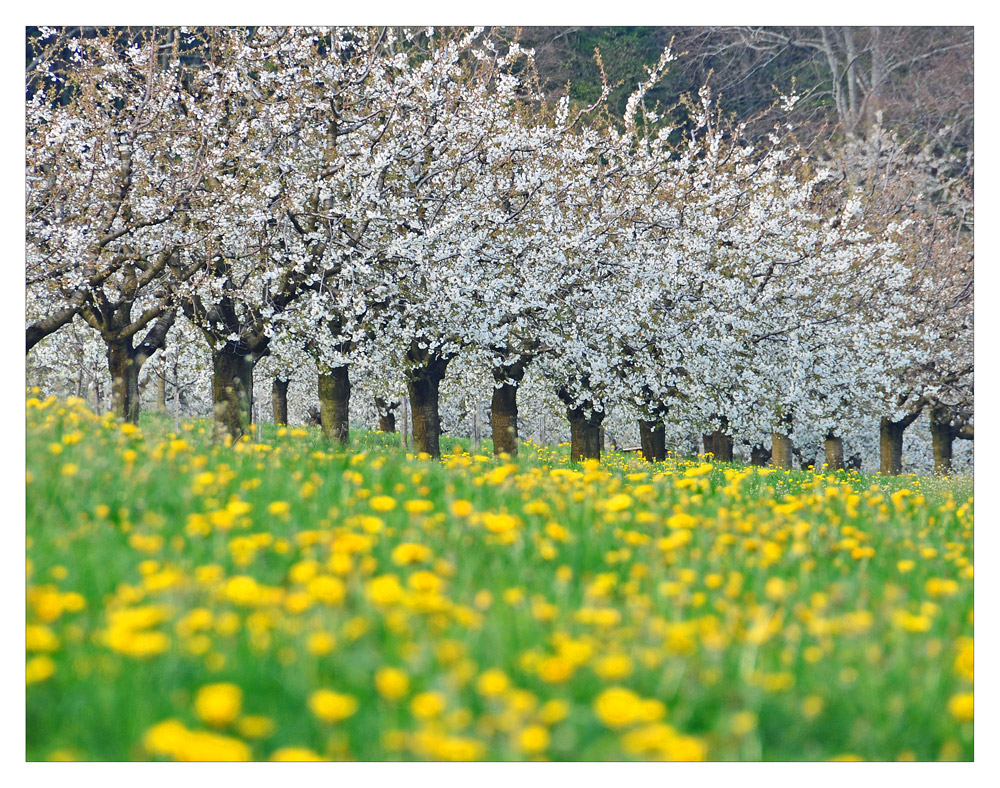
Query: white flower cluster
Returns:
{"type": "Point", "coordinates": [317, 198]}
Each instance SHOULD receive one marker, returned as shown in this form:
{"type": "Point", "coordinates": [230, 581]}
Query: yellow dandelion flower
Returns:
{"type": "Point", "coordinates": [320, 644]}
{"type": "Point", "coordinates": [533, 739]}
{"type": "Point", "coordinates": [39, 669]}
{"type": "Point", "coordinates": [295, 754]}
{"type": "Point", "coordinates": [613, 667]}
{"type": "Point", "coordinates": [327, 589]}
{"type": "Point", "coordinates": [382, 503]}
{"type": "Point", "coordinates": [332, 707]}
{"type": "Point", "coordinates": [418, 506]}
{"type": "Point", "coordinates": [255, 726]}
{"type": "Point", "coordinates": [427, 705]}
{"type": "Point", "coordinates": [553, 711]}
{"type": "Point", "coordinates": [961, 705]}
{"type": "Point", "coordinates": [385, 590]}
{"type": "Point", "coordinates": [218, 704]}
{"type": "Point", "coordinates": [461, 508]}
{"type": "Point", "coordinates": [964, 660]}
{"type": "Point", "coordinates": [410, 553]}
{"type": "Point", "coordinates": [617, 707]}
{"type": "Point", "coordinates": [391, 683]}
{"type": "Point", "coordinates": [40, 638]}
{"type": "Point", "coordinates": [812, 707]}
{"type": "Point", "coordinates": [492, 683]}
{"type": "Point", "coordinates": [618, 503]}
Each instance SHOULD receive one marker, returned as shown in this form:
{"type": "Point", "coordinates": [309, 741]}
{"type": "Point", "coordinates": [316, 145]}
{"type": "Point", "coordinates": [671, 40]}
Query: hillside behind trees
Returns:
{"type": "Point", "coordinates": [920, 78]}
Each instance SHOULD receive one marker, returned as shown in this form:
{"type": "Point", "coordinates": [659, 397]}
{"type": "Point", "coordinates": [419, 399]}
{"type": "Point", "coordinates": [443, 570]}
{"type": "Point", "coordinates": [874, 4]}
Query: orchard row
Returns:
{"type": "Point", "coordinates": [383, 207]}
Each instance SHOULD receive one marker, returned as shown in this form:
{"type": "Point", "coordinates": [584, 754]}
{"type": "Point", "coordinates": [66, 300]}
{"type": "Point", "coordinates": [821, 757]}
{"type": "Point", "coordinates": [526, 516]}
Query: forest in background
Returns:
{"type": "Point", "coordinates": [920, 78]}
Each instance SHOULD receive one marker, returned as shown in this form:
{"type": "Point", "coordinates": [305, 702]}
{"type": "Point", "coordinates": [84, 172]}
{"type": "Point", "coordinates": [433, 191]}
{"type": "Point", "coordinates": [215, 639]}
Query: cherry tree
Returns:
{"type": "Point", "coordinates": [295, 198]}
{"type": "Point", "coordinates": [471, 164]}
{"type": "Point", "coordinates": [118, 143]}
{"type": "Point", "coordinates": [926, 349]}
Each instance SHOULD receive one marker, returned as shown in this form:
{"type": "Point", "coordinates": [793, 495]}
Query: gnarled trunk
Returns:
{"type": "Point", "coordinates": [653, 440]}
{"type": "Point", "coordinates": [891, 446]}
{"type": "Point", "coordinates": [124, 380]}
{"type": "Point", "coordinates": [781, 450]}
{"type": "Point", "coordinates": [232, 390]}
{"type": "Point", "coordinates": [891, 438]}
{"type": "Point", "coordinates": [719, 442]}
{"type": "Point", "coordinates": [585, 434]}
{"type": "Point", "coordinates": [279, 401]}
{"type": "Point", "coordinates": [386, 417]}
{"type": "Point", "coordinates": [334, 404]}
{"type": "Point", "coordinates": [503, 408]}
{"type": "Point", "coordinates": [722, 446]}
{"type": "Point", "coordinates": [834, 447]}
{"type": "Point", "coordinates": [125, 359]}
{"type": "Point", "coordinates": [503, 419]}
{"type": "Point", "coordinates": [942, 439]}
{"type": "Point", "coordinates": [943, 435]}
{"type": "Point", "coordinates": [423, 385]}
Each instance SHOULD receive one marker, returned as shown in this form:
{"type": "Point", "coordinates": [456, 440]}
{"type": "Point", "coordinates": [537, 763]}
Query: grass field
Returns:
{"type": "Point", "coordinates": [285, 600]}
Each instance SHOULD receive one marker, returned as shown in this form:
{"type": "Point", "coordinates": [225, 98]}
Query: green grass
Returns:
{"type": "Point", "coordinates": [775, 622]}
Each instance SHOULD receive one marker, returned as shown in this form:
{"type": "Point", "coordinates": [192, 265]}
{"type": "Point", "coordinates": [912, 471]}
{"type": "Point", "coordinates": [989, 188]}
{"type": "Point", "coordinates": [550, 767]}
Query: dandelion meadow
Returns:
{"type": "Point", "coordinates": [285, 599]}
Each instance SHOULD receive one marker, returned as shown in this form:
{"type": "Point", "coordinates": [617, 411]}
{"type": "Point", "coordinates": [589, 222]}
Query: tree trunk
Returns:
{"type": "Point", "coordinates": [161, 391]}
{"type": "Point", "coordinates": [759, 455]}
{"type": "Point", "coordinates": [386, 418]}
{"type": "Point", "coordinates": [279, 401]}
{"type": "Point", "coordinates": [423, 384]}
{"type": "Point", "coordinates": [942, 438]}
{"type": "Point", "coordinates": [652, 438]}
{"type": "Point", "coordinates": [781, 450]}
{"type": "Point", "coordinates": [722, 446]}
{"type": "Point", "coordinates": [719, 442]}
{"type": "Point", "coordinates": [503, 408]}
{"type": "Point", "coordinates": [334, 404]}
{"type": "Point", "coordinates": [124, 380]}
{"type": "Point", "coordinates": [79, 376]}
{"type": "Point", "coordinates": [585, 434]}
{"type": "Point", "coordinates": [503, 420]}
{"type": "Point", "coordinates": [834, 452]}
{"type": "Point", "coordinates": [232, 384]}
{"type": "Point", "coordinates": [177, 398]}
{"type": "Point", "coordinates": [891, 446]}
{"type": "Point", "coordinates": [476, 435]}
{"type": "Point", "coordinates": [708, 440]}
{"type": "Point", "coordinates": [878, 72]}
